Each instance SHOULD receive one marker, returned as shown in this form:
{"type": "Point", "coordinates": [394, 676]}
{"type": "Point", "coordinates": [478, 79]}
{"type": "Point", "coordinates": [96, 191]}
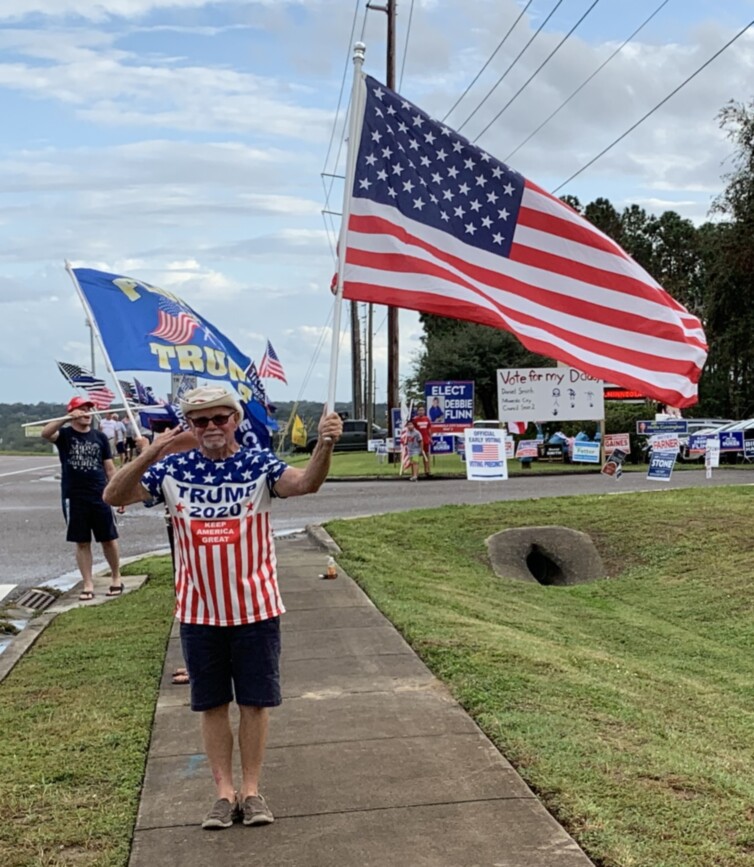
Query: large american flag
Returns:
{"type": "Point", "coordinates": [270, 366]}
{"type": "Point", "coordinates": [95, 388]}
{"type": "Point", "coordinates": [437, 224]}
{"type": "Point", "coordinates": [174, 323]}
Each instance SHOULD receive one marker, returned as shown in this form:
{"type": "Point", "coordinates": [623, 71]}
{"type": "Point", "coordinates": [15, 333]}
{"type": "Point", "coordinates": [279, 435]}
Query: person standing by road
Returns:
{"type": "Point", "coordinates": [87, 464]}
{"type": "Point", "coordinates": [107, 426]}
{"type": "Point", "coordinates": [228, 603]}
{"type": "Point", "coordinates": [414, 447]}
{"type": "Point", "coordinates": [120, 438]}
{"type": "Point", "coordinates": [423, 424]}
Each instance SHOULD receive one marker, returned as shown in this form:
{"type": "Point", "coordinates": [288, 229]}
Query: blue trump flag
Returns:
{"type": "Point", "coordinates": [144, 327]}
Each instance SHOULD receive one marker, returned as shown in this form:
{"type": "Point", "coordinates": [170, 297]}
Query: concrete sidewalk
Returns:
{"type": "Point", "coordinates": [369, 762]}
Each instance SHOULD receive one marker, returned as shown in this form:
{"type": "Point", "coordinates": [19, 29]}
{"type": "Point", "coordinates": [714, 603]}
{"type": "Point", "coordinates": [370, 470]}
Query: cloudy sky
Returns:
{"type": "Point", "coordinates": [182, 142]}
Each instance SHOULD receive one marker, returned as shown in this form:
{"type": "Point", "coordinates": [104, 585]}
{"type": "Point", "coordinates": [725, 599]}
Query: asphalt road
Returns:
{"type": "Point", "coordinates": [32, 531]}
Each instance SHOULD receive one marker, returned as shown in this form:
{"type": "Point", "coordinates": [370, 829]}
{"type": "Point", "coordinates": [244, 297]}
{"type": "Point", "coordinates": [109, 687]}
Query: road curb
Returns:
{"type": "Point", "coordinates": [27, 637]}
{"type": "Point", "coordinates": [323, 539]}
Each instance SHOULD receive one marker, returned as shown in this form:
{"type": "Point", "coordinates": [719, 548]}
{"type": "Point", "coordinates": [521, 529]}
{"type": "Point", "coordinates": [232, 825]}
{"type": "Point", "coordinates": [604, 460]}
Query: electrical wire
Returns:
{"type": "Point", "coordinates": [405, 44]}
{"type": "Point", "coordinates": [586, 81]}
{"type": "Point", "coordinates": [513, 63]}
{"type": "Point", "coordinates": [537, 70]}
{"type": "Point", "coordinates": [328, 189]}
{"type": "Point", "coordinates": [653, 110]}
{"type": "Point", "coordinates": [489, 60]}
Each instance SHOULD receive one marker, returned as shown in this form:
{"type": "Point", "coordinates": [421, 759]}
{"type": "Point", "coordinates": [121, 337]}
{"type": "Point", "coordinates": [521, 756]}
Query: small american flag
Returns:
{"type": "Point", "coordinates": [174, 323]}
{"type": "Point", "coordinates": [99, 394]}
{"type": "Point", "coordinates": [270, 366]}
{"type": "Point", "coordinates": [485, 452]}
{"type": "Point", "coordinates": [437, 224]}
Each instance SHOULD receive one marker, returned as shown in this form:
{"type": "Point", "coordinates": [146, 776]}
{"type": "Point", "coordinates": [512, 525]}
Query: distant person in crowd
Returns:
{"type": "Point", "coordinates": [423, 424]}
{"type": "Point", "coordinates": [107, 425]}
{"type": "Point", "coordinates": [130, 440]}
{"type": "Point", "coordinates": [87, 465]}
{"type": "Point", "coordinates": [436, 412]}
{"type": "Point", "coordinates": [228, 602]}
{"type": "Point", "coordinates": [414, 448]}
{"type": "Point", "coordinates": [120, 439]}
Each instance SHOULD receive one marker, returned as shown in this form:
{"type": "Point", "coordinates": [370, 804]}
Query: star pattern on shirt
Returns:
{"type": "Point", "coordinates": [433, 175]}
{"type": "Point", "coordinates": [248, 465]}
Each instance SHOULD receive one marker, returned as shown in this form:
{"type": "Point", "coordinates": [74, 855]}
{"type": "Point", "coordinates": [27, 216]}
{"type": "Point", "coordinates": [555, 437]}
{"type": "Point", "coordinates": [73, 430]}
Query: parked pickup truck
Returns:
{"type": "Point", "coordinates": [354, 437]}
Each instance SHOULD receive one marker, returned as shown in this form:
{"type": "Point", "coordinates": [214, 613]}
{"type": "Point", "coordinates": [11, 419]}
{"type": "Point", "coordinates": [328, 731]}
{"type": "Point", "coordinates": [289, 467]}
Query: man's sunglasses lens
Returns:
{"type": "Point", "coordinates": [217, 420]}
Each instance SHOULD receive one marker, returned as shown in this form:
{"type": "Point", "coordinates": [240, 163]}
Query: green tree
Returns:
{"type": "Point", "coordinates": [728, 261]}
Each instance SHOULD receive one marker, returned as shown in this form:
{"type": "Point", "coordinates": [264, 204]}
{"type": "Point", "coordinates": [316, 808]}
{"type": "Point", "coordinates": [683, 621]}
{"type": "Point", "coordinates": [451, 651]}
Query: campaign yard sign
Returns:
{"type": "Point", "coordinates": [527, 449]}
{"type": "Point", "coordinates": [443, 444]}
{"type": "Point", "coordinates": [663, 426]}
{"type": "Point", "coordinates": [586, 452]}
{"type": "Point", "coordinates": [617, 441]}
{"type": "Point", "coordinates": [449, 405]}
{"type": "Point", "coordinates": [731, 441]}
{"type": "Point", "coordinates": [485, 454]}
{"type": "Point", "coordinates": [661, 465]}
{"type": "Point", "coordinates": [548, 394]}
{"type": "Point", "coordinates": [665, 443]}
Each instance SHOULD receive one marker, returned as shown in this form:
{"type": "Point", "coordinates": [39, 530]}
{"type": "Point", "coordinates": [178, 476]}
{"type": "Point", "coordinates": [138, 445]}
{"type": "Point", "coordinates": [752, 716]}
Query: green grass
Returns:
{"type": "Point", "coordinates": [75, 719]}
{"type": "Point", "coordinates": [626, 704]}
{"type": "Point", "coordinates": [345, 464]}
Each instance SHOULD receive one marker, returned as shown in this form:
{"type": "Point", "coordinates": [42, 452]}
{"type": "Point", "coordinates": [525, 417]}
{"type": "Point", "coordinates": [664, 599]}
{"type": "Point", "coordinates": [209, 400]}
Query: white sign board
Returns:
{"type": "Point", "coordinates": [549, 394]}
{"type": "Point", "coordinates": [485, 454]}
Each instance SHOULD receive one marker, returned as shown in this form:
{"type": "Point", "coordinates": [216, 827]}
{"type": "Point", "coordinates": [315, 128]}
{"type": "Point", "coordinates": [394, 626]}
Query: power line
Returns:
{"type": "Point", "coordinates": [653, 110]}
{"type": "Point", "coordinates": [513, 63]}
{"type": "Point", "coordinates": [405, 44]}
{"type": "Point", "coordinates": [489, 60]}
{"type": "Point", "coordinates": [586, 81]}
{"type": "Point", "coordinates": [536, 71]}
{"type": "Point", "coordinates": [342, 85]}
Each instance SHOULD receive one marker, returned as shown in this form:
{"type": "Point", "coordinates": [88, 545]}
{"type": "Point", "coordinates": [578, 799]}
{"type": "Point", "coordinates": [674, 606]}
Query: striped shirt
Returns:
{"type": "Point", "coordinates": [226, 571]}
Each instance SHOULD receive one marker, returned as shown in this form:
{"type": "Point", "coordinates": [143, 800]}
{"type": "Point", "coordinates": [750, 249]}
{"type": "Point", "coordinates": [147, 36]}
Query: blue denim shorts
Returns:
{"type": "Point", "coordinates": [224, 661]}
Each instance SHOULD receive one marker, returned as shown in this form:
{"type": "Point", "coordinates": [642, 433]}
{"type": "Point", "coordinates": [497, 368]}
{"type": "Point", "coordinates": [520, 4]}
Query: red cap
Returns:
{"type": "Point", "coordinates": [78, 403]}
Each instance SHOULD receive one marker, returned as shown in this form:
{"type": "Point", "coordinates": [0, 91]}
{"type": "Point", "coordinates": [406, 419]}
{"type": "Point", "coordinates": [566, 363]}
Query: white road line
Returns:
{"type": "Point", "coordinates": [5, 589]}
{"type": "Point", "coordinates": [28, 470]}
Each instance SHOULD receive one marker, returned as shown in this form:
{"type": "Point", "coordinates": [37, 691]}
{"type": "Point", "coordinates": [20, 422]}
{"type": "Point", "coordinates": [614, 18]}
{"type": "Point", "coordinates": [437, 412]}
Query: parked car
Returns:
{"type": "Point", "coordinates": [697, 427]}
{"type": "Point", "coordinates": [694, 426]}
{"type": "Point", "coordinates": [354, 437]}
{"type": "Point", "coordinates": [746, 426]}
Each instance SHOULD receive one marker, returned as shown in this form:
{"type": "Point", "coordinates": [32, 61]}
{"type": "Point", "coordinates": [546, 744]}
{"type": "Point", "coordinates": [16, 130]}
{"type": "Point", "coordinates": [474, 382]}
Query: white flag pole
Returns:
{"type": "Point", "coordinates": [355, 122]}
{"type": "Point", "coordinates": [95, 331]}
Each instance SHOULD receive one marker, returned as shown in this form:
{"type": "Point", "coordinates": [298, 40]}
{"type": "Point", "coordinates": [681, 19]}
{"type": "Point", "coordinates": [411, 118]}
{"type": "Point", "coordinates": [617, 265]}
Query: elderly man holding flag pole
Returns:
{"type": "Point", "coordinates": [228, 603]}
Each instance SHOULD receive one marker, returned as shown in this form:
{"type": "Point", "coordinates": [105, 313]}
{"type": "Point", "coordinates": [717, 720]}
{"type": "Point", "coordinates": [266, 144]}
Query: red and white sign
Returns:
{"type": "Point", "coordinates": [665, 443]}
{"type": "Point", "coordinates": [617, 441]}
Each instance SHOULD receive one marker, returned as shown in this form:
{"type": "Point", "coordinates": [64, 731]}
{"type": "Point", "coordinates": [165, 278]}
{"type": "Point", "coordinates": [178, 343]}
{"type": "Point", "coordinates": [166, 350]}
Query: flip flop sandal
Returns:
{"type": "Point", "coordinates": [86, 595]}
{"type": "Point", "coordinates": [116, 590]}
{"type": "Point", "coordinates": [180, 678]}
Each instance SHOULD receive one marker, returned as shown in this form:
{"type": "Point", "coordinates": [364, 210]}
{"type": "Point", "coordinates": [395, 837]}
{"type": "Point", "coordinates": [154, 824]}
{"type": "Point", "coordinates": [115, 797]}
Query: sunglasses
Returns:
{"type": "Point", "coordinates": [218, 420]}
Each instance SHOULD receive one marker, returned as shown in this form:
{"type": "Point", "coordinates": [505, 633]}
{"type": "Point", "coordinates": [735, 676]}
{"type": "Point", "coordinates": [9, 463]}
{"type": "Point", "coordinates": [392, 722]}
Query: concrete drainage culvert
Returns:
{"type": "Point", "coordinates": [551, 556]}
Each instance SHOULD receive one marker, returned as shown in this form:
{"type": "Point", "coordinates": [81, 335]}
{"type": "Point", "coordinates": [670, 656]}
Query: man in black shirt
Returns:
{"type": "Point", "coordinates": [87, 466]}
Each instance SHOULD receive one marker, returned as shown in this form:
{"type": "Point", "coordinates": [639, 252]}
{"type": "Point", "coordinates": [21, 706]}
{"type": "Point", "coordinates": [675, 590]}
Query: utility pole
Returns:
{"type": "Point", "coordinates": [91, 344]}
{"type": "Point", "coordinates": [393, 384]}
{"type": "Point", "coordinates": [393, 355]}
{"type": "Point", "coordinates": [357, 402]}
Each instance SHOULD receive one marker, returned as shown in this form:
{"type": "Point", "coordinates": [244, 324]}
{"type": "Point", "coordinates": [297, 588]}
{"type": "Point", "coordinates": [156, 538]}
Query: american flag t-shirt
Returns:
{"type": "Point", "coordinates": [436, 224]}
{"type": "Point", "coordinates": [226, 571]}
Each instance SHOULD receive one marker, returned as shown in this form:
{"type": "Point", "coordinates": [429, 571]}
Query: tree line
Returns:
{"type": "Point", "coordinates": [708, 268]}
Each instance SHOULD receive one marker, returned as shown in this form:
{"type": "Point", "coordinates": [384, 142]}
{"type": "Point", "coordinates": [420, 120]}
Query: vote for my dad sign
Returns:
{"type": "Point", "coordinates": [549, 394]}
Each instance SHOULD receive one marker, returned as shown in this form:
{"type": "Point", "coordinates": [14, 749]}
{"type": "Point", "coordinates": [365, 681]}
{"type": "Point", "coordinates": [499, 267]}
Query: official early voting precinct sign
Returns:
{"type": "Point", "coordinates": [449, 405]}
{"type": "Point", "coordinates": [549, 394]}
{"type": "Point", "coordinates": [485, 454]}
